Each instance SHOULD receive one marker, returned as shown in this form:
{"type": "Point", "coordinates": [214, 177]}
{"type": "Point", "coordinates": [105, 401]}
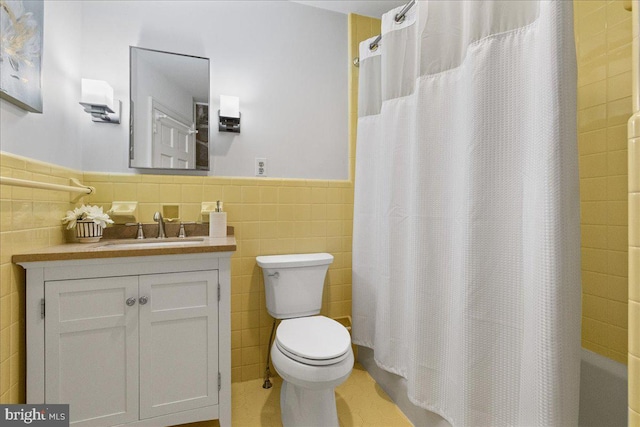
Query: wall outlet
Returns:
{"type": "Point", "coordinates": [261, 167]}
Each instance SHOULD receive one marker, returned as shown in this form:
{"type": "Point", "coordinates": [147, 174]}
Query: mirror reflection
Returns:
{"type": "Point", "coordinates": [169, 95]}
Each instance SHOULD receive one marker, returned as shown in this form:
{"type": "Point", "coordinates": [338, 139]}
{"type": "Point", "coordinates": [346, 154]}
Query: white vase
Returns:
{"type": "Point", "coordinates": [88, 231]}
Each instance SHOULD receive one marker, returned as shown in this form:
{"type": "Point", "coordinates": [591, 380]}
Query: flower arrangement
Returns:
{"type": "Point", "coordinates": [86, 213]}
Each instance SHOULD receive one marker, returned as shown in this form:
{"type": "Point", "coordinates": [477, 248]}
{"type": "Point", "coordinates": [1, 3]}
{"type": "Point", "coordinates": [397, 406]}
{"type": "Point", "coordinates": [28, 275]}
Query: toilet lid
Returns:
{"type": "Point", "coordinates": [315, 340]}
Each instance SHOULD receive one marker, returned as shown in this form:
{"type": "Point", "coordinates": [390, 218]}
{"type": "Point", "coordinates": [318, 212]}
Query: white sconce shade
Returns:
{"type": "Point", "coordinates": [230, 106]}
{"type": "Point", "coordinates": [229, 114]}
{"type": "Point", "coordinates": [97, 92]}
{"type": "Point", "coordinates": [97, 100]}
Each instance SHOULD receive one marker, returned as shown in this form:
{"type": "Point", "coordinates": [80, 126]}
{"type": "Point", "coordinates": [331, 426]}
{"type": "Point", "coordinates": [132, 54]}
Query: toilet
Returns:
{"type": "Point", "coordinates": [312, 353]}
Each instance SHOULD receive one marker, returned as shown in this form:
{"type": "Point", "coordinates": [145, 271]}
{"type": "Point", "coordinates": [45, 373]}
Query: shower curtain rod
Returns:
{"type": "Point", "coordinates": [398, 18]}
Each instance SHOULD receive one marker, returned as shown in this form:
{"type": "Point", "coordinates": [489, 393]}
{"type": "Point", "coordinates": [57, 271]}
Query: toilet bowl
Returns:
{"type": "Point", "coordinates": [311, 353]}
{"type": "Point", "coordinates": [313, 358]}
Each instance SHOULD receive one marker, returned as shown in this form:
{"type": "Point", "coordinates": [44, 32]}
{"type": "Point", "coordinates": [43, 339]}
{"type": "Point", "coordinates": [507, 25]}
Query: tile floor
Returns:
{"type": "Point", "coordinates": [361, 402]}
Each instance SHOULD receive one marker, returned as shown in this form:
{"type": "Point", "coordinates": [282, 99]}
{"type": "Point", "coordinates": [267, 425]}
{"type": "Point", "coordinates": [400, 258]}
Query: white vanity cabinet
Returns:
{"type": "Point", "coordinates": [141, 341]}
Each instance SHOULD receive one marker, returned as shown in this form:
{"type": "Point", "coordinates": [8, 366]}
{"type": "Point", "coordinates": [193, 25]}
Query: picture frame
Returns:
{"type": "Point", "coordinates": [21, 30]}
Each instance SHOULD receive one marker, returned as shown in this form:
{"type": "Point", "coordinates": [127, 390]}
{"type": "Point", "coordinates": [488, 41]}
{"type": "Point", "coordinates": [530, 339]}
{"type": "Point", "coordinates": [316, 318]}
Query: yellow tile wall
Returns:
{"type": "Point", "coordinates": [634, 230]}
{"type": "Point", "coordinates": [270, 216]}
{"type": "Point", "coordinates": [634, 279]}
{"type": "Point", "coordinates": [29, 219]}
{"type": "Point", "coordinates": [603, 46]}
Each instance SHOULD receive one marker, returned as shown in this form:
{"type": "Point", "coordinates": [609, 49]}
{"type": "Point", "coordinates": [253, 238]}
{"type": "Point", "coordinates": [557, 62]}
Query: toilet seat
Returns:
{"type": "Point", "coordinates": [315, 340]}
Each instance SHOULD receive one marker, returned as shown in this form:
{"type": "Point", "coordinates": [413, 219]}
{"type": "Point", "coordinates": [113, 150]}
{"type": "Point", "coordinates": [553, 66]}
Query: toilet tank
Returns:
{"type": "Point", "coordinates": [293, 284]}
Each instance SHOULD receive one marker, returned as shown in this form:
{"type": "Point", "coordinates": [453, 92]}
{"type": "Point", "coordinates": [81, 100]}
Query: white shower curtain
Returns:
{"type": "Point", "coordinates": [466, 267]}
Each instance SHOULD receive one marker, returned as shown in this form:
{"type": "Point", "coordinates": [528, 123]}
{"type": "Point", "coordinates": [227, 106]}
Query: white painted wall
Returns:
{"type": "Point", "coordinates": [52, 136]}
{"type": "Point", "coordinates": [287, 62]}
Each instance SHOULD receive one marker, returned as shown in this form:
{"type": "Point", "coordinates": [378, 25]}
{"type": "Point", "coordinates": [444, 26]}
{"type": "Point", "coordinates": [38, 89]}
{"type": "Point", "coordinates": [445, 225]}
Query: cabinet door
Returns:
{"type": "Point", "coordinates": [178, 342]}
{"type": "Point", "coordinates": [91, 346]}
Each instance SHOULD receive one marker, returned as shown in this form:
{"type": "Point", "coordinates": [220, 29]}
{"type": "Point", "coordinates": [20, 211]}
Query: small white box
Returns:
{"type": "Point", "coordinates": [217, 224]}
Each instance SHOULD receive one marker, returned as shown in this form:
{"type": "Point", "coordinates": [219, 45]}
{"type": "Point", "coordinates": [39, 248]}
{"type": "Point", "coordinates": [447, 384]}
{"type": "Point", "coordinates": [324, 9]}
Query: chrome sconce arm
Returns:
{"type": "Point", "coordinates": [229, 124]}
{"type": "Point", "coordinates": [102, 113]}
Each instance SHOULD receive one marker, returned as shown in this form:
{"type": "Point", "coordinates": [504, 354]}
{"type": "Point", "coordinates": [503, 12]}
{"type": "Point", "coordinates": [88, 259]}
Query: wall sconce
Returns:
{"type": "Point", "coordinates": [229, 114]}
{"type": "Point", "coordinates": [97, 100]}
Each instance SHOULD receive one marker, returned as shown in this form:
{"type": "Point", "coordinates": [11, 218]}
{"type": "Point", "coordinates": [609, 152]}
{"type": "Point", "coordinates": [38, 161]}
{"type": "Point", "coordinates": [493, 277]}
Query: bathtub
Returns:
{"type": "Point", "coordinates": [603, 392]}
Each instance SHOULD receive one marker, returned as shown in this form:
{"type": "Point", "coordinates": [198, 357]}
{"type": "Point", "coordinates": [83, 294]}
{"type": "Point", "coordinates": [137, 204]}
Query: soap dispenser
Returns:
{"type": "Point", "coordinates": [218, 221]}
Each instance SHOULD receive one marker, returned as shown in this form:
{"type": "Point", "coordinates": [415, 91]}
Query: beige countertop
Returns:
{"type": "Point", "coordinates": [116, 248]}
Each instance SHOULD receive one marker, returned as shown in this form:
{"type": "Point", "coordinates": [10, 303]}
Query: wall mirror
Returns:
{"type": "Point", "coordinates": [169, 110]}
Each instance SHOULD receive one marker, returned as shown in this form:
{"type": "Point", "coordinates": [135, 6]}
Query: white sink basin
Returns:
{"type": "Point", "coordinates": [154, 243]}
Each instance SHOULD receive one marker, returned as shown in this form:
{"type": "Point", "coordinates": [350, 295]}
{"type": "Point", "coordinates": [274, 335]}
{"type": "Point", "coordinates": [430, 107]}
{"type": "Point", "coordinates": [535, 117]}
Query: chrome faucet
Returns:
{"type": "Point", "coordinates": [158, 218]}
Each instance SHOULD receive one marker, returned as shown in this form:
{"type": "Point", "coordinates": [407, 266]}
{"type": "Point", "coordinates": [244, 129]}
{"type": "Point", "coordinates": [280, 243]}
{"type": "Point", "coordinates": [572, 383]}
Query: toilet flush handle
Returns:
{"type": "Point", "coordinates": [276, 275]}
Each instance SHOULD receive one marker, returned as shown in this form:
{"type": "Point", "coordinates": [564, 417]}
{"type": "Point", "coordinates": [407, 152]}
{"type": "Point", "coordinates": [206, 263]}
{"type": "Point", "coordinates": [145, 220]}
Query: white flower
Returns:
{"type": "Point", "coordinates": [71, 218]}
{"type": "Point", "coordinates": [91, 213]}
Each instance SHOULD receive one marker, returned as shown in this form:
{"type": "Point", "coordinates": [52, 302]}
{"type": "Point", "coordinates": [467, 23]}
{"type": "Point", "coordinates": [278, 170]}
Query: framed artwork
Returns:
{"type": "Point", "coordinates": [21, 28]}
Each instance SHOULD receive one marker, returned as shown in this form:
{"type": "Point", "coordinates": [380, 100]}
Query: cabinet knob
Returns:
{"type": "Point", "coordinates": [131, 301]}
{"type": "Point", "coordinates": [143, 300]}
